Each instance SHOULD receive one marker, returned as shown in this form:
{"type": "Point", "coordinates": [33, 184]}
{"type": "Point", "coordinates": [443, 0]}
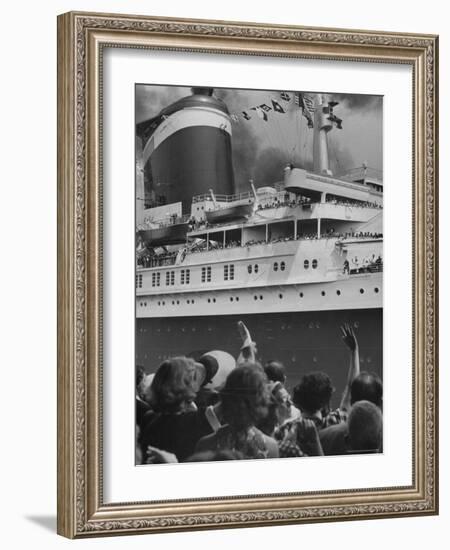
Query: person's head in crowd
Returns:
{"type": "Point", "coordinates": [367, 387]}
{"type": "Point", "coordinates": [279, 409]}
{"type": "Point", "coordinates": [313, 393]}
{"type": "Point", "coordinates": [365, 427]}
{"type": "Point", "coordinates": [275, 371]}
{"type": "Point", "coordinates": [218, 365]}
{"type": "Point", "coordinates": [245, 397]}
{"type": "Point", "coordinates": [175, 384]}
{"type": "Point", "coordinates": [215, 456]}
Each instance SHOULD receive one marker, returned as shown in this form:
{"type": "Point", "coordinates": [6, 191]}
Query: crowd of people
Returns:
{"type": "Point", "coordinates": [367, 264]}
{"type": "Point", "coordinates": [169, 258]}
{"type": "Point", "coordinates": [287, 201]}
{"type": "Point", "coordinates": [216, 407]}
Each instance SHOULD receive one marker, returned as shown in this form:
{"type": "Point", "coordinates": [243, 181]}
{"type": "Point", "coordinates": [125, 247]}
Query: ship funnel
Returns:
{"type": "Point", "coordinates": [189, 151]}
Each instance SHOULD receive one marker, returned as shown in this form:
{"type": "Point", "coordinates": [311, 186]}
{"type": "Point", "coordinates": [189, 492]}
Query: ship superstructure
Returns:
{"type": "Point", "coordinates": [311, 241]}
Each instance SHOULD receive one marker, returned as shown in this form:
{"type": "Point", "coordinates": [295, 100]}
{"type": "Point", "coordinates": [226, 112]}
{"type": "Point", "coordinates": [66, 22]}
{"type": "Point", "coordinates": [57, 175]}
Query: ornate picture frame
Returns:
{"type": "Point", "coordinates": [82, 39]}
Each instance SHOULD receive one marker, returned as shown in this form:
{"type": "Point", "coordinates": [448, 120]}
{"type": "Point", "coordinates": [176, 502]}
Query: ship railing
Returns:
{"type": "Point", "coordinates": [223, 198]}
{"type": "Point", "coordinates": [361, 172]}
{"type": "Point", "coordinates": [363, 267]}
{"type": "Point", "coordinates": [157, 261]}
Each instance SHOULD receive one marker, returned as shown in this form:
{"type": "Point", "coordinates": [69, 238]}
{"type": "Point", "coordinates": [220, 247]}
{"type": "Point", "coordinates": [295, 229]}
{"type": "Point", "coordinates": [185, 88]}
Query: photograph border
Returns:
{"type": "Point", "coordinates": [81, 39]}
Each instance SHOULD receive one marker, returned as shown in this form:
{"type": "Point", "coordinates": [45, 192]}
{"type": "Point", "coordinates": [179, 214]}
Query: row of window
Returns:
{"type": "Point", "coordinates": [185, 276]}
{"type": "Point", "coordinates": [255, 297]}
{"type": "Point", "coordinates": [282, 265]}
{"type": "Point", "coordinates": [206, 273]}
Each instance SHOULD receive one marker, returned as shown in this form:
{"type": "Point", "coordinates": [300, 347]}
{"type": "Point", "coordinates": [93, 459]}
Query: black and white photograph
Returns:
{"type": "Point", "coordinates": [259, 274]}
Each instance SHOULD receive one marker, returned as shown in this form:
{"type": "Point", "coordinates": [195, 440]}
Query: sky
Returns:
{"type": "Point", "coordinates": [262, 149]}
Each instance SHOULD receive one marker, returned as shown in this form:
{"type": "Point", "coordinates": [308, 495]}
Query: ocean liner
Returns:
{"type": "Point", "coordinates": [293, 260]}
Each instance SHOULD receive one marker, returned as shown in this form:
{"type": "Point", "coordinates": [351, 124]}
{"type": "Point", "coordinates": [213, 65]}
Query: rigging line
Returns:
{"type": "Point", "coordinates": [275, 124]}
{"type": "Point", "coordinates": [285, 133]}
{"type": "Point", "coordinates": [265, 131]}
{"type": "Point", "coordinates": [296, 137]}
{"type": "Point", "coordinates": [281, 133]}
{"type": "Point", "coordinates": [293, 117]}
{"type": "Point", "coordinates": [333, 150]}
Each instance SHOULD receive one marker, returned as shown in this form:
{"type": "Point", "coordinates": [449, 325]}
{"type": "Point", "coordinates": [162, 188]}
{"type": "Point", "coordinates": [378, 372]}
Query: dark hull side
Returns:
{"type": "Point", "coordinates": [303, 341]}
{"type": "Point", "coordinates": [189, 163]}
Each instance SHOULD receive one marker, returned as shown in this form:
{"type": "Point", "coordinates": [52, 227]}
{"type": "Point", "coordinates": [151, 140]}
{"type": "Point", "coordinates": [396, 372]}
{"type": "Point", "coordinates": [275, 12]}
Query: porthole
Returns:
{"type": "Point", "coordinates": [314, 264]}
{"type": "Point", "coordinates": [282, 266]}
{"type": "Point", "coordinates": [376, 289]}
{"type": "Point", "coordinates": [214, 300]}
{"type": "Point", "coordinates": [280, 296]}
{"type": "Point", "coordinates": [256, 268]}
{"type": "Point", "coordinates": [301, 294]}
{"type": "Point", "coordinates": [249, 268]}
{"type": "Point", "coordinates": [188, 301]}
{"type": "Point", "coordinates": [237, 298]}
{"type": "Point", "coordinates": [193, 302]}
{"type": "Point", "coordinates": [338, 292]}
{"type": "Point", "coordinates": [275, 266]}
{"type": "Point", "coordinates": [323, 293]}
{"type": "Point", "coordinates": [178, 302]}
{"type": "Point", "coordinates": [361, 290]}
{"type": "Point", "coordinates": [261, 297]}
{"type": "Point", "coordinates": [231, 298]}
{"type": "Point", "coordinates": [306, 264]}
{"type": "Point", "coordinates": [173, 302]}
{"type": "Point", "coordinates": [209, 300]}
{"type": "Point", "coordinates": [255, 297]}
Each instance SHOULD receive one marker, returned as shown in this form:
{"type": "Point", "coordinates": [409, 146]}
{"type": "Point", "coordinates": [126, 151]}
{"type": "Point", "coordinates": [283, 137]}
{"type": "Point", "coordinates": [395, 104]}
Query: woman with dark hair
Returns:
{"type": "Point", "coordinates": [244, 403]}
{"type": "Point", "coordinates": [174, 424]}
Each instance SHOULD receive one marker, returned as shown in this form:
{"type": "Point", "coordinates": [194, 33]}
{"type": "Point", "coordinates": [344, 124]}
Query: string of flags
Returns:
{"type": "Point", "coordinates": [303, 101]}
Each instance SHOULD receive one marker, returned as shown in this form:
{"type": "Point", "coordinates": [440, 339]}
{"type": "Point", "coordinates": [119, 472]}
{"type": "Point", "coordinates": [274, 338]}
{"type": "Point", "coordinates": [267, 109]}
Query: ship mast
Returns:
{"type": "Point", "coordinates": [322, 125]}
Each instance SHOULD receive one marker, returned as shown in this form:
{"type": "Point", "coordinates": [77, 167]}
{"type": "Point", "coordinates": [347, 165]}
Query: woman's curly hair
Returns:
{"type": "Point", "coordinates": [173, 385]}
{"type": "Point", "coordinates": [313, 392]}
{"type": "Point", "coordinates": [245, 397]}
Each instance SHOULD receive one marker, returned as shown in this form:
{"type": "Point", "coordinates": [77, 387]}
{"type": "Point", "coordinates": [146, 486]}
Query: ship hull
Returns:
{"type": "Point", "coordinates": [304, 340]}
{"type": "Point", "coordinates": [362, 291]}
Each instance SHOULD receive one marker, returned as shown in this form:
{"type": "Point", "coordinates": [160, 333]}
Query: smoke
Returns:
{"type": "Point", "coordinates": [269, 166]}
{"type": "Point", "coordinates": [246, 141]}
{"type": "Point", "coordinates": [357, 102]}
{"type": "Point", "coordinates": [262, 149]}
{"type": "Point", "coordinates": [152, 98]}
